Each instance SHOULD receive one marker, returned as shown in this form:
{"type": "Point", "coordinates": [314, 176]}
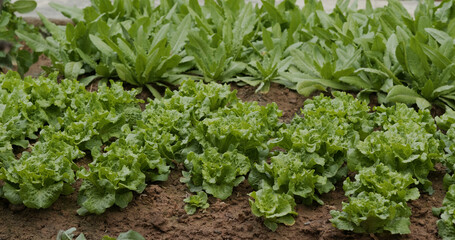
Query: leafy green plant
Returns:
{"type": "Point", "coordinates": [113, 175]}
{"type": "Point", "coordinates": [446, 225]}
{"type": "Point", "coordinates": [370, 212]}
{"type": "Point", "coordinates": [69, 235]}
{"type": "Point", "coordinates": [195, 201]}
{"type": "Point", "coordinates": [382, 180]}
{"type": "Point", "coordinates": [244, 126]}
{"type": "Point", "coordinates": [328, 130]}
{"type": "Point", "coordinates": [218, 45]}
{"type": "Point", "coordinates": [406, 143]}
{"type": "Point", "coordinates": [12, 54]}
{"type": "Point", "coordinates": [215, 173]}
{"type": "Point", "coordinates": [138, 46]}
{"type": "Point", "coordinates": [377, 201]}
{"type": "Point", "coordinates": [293, 173]}
{"type": "Point", "coordinates": [273, 207]}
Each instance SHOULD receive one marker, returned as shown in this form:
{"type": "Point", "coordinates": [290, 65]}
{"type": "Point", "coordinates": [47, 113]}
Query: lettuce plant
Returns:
{"type": "Point", "coordinates": [195, 201]}
{"type": "Point", "coordinates": [370, 212]}
{"type": "Point", "coordinates": [446, 225]}
{"type": "Point", "coordinates": [328, 129]}
{"type": "Point", "coordinates": [293, 173]}
{"type": "Point", "coordinates": [113, 175]}
{"type": "Point", "coordinates": [406, 143]}
{"type": "Point", "coordinates": [273, 207]}
{"type": "Point", "coordinates": [377, 201]}
{"type": "Point", "coordinates": [216, 173]}
{"type": "Point", "coordinates": [381, 179]}
{"type": "Point", "coordinates": [245, 126]}
{"type": "Point", "coordinates": [38, 178]}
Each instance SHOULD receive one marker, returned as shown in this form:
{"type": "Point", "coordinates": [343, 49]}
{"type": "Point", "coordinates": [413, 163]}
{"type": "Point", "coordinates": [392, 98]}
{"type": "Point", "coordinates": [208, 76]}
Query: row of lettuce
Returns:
{"type": "Point", "coordinates": [47, 127]}
{"type": "Point", "coordinates": [446, 224]}
{"type": "Point", "coordinates": [385, 51]}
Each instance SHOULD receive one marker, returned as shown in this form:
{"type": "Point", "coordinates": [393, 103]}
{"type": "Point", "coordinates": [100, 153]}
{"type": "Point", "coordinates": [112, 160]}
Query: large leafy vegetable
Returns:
{"type": "Point", "coordinates": [214, 172]}
{"type": "Point", "coordinates": [406, 143]}
{"type": "Point", "coordinates": [273, 207]}
{"type": "Point", "coordinates": [371, 212]}
{"type": "Point", "coordinates": [245, 126]}
{"type": "Point", "coordinates": [38, 178]}
{"type": "Point", "coordinates": [382, 180]}
{"type": "Point", "coordinates": [113, 175]}
{"type": "Point", "coordinates": [329, 128]}
{"type": "Point", "coordinates": [293, 173]}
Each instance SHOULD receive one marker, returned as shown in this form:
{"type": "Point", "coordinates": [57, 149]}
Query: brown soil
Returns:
{"type": "Point", "coordinates": [158, 212]}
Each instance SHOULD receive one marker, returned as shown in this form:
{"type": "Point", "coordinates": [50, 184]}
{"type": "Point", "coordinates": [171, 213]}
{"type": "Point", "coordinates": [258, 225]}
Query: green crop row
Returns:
{"type": "Point", "coordinates": [446, 224]}
{"type": "Point", "coordinates": [386, 51]}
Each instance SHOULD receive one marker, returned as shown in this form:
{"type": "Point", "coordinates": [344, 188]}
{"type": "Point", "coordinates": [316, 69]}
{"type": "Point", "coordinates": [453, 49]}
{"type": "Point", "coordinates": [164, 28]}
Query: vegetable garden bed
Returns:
{"type": "Point", "coordinates": [98, 155]}
{"type": "Point", "coordinates": [158, 213]}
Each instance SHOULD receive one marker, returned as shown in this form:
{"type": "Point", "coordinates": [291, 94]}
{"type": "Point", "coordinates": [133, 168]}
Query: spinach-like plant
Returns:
{"type": "Point", "coordinates": [130, 40]}
{"type": "Point", "coordinates": [12, 52]}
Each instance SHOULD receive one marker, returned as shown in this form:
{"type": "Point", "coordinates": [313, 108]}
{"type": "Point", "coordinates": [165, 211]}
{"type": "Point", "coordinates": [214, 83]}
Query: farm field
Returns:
{"type": "Point", "coordinates": [228, 120]}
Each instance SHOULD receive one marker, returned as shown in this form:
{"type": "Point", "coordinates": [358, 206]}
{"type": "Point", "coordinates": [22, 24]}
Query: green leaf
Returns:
{"type": "Point", "coordinates": [130, 235]}
{"type": "Point", "coordinates": [438, 35]}
{"type": "Point", "coordinates": [33, 40]}
{"type": "Point", "coordinates": [178, 40]}
{"type": "Point", "coordinates": [40, 197]}
{"type": "Point", "coordinates": [406, 95]}
{"type": "Point", "coordinates": [96, 199]}
{"type": "Point", "coordinates": [74, 13]}
{"type": "Point", "coordinates": [101, 45]}
{"type": "Point", "coordinates": [125, 74]}
{"type": "Point", "coordinates": [122, 199]}
{"type": "Point", "coordinates": [12, 194]}
{"type": "Point", "coordinates": [73, 70]}
{"type": "Point", "coordinates": [23, 6]}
